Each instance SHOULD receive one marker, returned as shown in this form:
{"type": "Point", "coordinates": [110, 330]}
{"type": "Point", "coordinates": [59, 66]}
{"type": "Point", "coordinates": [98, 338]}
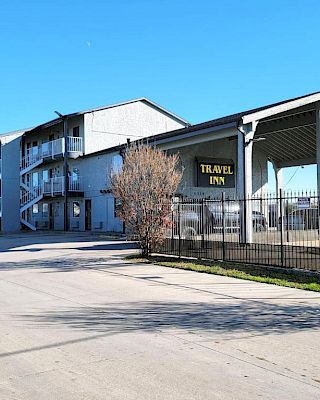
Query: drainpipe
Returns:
{"type": "Point", "coordinates": [66, 173]}
{"type": "Point", "coordinates": [65, 169]}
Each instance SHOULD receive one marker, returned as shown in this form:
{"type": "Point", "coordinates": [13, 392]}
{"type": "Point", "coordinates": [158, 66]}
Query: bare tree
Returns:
{"type": "Point", "coordinates": [145, 185]}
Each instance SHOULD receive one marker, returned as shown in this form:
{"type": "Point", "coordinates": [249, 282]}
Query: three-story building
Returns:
{"type": "Point", "coordinates": [60, 186]}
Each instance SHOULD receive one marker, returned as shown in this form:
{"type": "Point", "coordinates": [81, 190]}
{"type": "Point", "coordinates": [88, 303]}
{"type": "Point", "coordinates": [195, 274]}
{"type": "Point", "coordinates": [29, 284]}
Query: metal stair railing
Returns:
{"type": "Point", "coordinates": [29, 196]}
{"type": "Point", "coordinates": [30, 158]}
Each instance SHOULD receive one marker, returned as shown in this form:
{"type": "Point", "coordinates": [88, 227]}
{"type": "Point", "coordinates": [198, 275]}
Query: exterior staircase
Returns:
{"type": "Point", "coordinates": [30, 197]}
{"type": "Point", "coordinates": [28, 224]}
{"type": "Point", "coordinates": [51, 188]}
{"type": "Point", "coordinates": [29, 162]}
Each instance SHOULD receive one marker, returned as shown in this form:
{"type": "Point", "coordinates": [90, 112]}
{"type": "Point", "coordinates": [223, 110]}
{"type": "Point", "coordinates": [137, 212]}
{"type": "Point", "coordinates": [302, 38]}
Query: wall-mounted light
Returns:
{"type": "Point", "coordinates": [260, 139]}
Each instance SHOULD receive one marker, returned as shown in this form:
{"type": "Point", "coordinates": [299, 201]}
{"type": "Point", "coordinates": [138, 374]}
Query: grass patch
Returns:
{"type": "Point", "coordinates": [275, 276]}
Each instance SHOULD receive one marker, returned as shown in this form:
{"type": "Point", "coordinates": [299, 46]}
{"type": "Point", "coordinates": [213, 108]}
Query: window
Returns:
{"type": "Point", "coordinates": [45, 175]}
{"type": "Point", "coordinates": [35, 179]}
{"type": "Point", "coordinates": [35, 209]}
{"type": "Point", "coordinates": [117, 206]}
{"type": "Point", "coordinates": [116, 165]}
{"type": "Point", "coordinates": [76, 209]}
{"type": "Point", "coordinates": [76, 131]}
{"type": "Point", "coordinates": [45, 209]}
{"type": "Point", "coordinates": [75, 174]}
{"type": "Point", "coordinates": [35, 148]}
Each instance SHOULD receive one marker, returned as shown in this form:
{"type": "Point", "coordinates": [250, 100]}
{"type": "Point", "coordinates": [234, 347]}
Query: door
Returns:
{"type": "Point", "coordinates": [51, 216]}
{"type": "Point", "coordinates": [88, 215]}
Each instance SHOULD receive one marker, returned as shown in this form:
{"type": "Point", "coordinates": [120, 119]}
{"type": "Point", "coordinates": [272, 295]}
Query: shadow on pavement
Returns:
{"type": "Point", "coordinates": [13, 242]}
{"type": "Point", "coordinates": [62, 264]}
{"type": "Point", "coordinates": [251, 317]}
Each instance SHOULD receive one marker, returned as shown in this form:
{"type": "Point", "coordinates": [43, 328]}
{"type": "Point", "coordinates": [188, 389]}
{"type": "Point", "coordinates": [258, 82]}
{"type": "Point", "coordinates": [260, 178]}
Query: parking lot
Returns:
{"type": "Point", "coordinates": [79, 322]}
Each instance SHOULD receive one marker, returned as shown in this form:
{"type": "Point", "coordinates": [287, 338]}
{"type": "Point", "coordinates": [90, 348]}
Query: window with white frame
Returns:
{"type": "Point", "coordinates": [76, 209]}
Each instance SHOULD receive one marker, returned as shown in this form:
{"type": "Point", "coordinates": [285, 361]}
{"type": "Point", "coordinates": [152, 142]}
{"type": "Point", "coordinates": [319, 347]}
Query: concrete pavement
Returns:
{"type": "Point", "coordinates": [77, 322]}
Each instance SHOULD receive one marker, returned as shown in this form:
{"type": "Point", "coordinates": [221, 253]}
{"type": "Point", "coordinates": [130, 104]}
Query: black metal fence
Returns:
{"type": "Point", "coordinates": [269, 230]}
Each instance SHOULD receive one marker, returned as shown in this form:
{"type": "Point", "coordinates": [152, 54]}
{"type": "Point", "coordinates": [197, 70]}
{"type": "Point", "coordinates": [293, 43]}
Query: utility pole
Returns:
{"type": "Point", "coordinates": [65, 169]}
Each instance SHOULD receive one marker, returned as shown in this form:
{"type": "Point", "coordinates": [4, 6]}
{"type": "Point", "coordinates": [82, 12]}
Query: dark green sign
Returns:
{"type": "Point", "coordinates": [213, 172]}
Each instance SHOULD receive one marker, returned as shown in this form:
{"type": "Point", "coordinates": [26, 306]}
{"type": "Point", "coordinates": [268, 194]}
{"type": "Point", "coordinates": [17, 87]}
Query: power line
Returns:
{"type": "Point", "coordinates": [118, 134]}
{"type": "Point", "coordinates": [293, 175]}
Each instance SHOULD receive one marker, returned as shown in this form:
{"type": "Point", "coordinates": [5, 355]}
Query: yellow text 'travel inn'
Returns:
{"type": "Point", "coordinates": [216, 169]}
{"type": "Point", "coordinates": [216, 180]}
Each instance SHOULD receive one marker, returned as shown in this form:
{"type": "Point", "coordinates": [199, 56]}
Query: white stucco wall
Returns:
{"type": "Point", "coordinates": [112, 126]}
{"type": "Point", "coordinates": [95, 171]}
{"type": "Point", "coordinates": [221, 149]}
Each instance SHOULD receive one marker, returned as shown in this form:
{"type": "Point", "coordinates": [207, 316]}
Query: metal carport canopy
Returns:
{"type": "Point", "coordinates": [289, 131]}
{"type": "Point", "coordinates": [289, 139]}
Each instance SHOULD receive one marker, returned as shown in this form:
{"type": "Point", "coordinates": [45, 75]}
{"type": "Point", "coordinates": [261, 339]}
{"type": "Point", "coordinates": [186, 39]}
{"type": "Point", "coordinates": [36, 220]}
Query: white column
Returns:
{"type": "Point", "coordinates": [240, 166]}
{"type": "Point", "coordinates": [245, 147]}
{"type": "Point", "coordinates": [241, 185]}
{"type": "Point", "coordinates": [248, 189]}
{"type": "Point", "coordinates": [279, 178]}
{"type": "Point", "coordinates": [318, 145]}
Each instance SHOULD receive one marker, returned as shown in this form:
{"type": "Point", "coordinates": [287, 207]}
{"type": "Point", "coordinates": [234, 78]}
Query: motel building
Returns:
{"type": "Point", "coordinates": [56, 174]}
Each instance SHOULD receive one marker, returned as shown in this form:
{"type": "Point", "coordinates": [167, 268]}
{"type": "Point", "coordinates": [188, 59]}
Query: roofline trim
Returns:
{"type": "Point", "coordinates": [159, 140]}
{"type": "Point", "coordinates": [88, 111]}
{"type": "Point", "coordinates": [256, 116]}
{"type": "Point", "coordinates": [192, 133]}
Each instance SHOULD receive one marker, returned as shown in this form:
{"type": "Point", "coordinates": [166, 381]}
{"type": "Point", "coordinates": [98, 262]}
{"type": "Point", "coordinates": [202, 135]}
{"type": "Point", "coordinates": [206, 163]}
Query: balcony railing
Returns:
{"type": "Point", "coordinates": [75, 184]}
{"type": "Point", "coordinates": [55, 186]}
{"type": "Point", "coordinates": [56, 147]}
{"type": "Point", "coordinates": [74, 144]}
{"type": "Point", "coordinates": [52, 149]}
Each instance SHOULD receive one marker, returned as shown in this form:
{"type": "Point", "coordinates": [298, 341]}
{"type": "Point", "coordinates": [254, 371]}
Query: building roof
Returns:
{"type": "Point", "coordinates": [140, 99]}
{"type": "Point", "coordinates": [232, 118]}
{"type": "Point", "coordinates": [18, 132]}
{"type": "Point", "coordinates": [223, 122]}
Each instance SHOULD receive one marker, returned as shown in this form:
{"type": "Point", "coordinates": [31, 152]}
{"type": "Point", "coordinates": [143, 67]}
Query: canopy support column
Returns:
{"type": "Point", "coordinates": [245, 148]}
{"type": "Point", "coordinates": [318, 145]}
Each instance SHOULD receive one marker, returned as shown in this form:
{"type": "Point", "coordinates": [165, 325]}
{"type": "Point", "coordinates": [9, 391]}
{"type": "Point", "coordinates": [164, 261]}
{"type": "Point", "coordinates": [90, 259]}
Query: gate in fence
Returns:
{"type": "Point", "coordinates": [269, 230]}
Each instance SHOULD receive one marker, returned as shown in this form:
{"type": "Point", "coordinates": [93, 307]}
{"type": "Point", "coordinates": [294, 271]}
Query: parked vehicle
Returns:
{"type": "Point", "coordinates": [259, 221]}
{"type": "Point", "coordinates": [193, 219]}
{"type": "Point", "coordinates": [301, 219]}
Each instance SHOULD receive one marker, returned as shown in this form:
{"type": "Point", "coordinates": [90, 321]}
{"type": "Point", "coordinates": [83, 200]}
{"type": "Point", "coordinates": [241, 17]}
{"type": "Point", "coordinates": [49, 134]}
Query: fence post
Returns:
{"type": "Point", "coordinates": [281, 227]}
{"type": "Point", "coordinates": [318, 214]}
{"type": "Point", "coordinates": [179, 230]}
{"type": "Point", "coordinates": [223, 225]}
{"type": "Point", "coordinates": [172, 227]}
{"type": "Point", "coordinates": [202, 223]}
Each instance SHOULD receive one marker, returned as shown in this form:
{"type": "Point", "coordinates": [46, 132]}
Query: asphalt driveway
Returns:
{"type": "Point", "coordinates": [77, 322]}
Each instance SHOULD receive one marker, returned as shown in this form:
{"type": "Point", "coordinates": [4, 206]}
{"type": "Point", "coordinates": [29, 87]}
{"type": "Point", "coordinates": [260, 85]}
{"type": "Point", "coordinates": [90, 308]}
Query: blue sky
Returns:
{"type": "Point", "coordinates": [200, 59]}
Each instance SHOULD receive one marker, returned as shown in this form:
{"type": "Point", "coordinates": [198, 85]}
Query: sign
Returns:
{"type": "Point", "coordinates": [215, 173]}
{"type": "Point", "coordinates": [304, 202]}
